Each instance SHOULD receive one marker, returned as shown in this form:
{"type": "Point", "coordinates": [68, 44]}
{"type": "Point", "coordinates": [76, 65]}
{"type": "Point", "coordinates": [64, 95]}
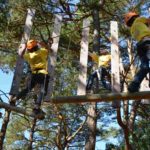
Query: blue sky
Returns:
{"type": "Point", "coordinates": [5, 83]}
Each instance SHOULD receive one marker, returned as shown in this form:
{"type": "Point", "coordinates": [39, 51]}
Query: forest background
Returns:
{"type": "Point", "coordinates": [68, 126]}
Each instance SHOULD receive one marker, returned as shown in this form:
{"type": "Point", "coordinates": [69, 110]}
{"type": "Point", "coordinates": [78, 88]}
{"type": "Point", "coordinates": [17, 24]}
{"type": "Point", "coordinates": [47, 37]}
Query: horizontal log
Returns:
{"type": "Point", "coordinates": [15, 109]}
{"type": "Point", "coordinates": [107, 97]}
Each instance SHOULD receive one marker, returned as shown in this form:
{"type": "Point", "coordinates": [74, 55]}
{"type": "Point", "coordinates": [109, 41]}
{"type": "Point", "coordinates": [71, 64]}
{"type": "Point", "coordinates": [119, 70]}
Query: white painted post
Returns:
{"type": "Point", "coordinates": [115, 73]}
{"type": "Point", "coordinates": [19, 64]}
{"type": "Point", "coordinates": [83, 58]}
{"type": "Point", "coordinates": [53, 55]}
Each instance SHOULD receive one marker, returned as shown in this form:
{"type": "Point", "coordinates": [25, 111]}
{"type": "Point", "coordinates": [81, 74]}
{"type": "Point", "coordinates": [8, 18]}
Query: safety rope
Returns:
{"type": "Point", "coordinates": [42, 90]}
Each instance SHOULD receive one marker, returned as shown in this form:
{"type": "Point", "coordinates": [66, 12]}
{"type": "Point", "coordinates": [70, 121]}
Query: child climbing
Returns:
{"type": "Point", "coordinates": [36, 56]}
{"type": "Point", "coordinates": [103, 63]}
{"type": "Point", "coordinates": [141, 33]}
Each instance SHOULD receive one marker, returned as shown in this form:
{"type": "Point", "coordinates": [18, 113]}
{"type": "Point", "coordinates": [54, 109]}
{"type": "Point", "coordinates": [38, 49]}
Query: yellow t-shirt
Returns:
{"type": "Point", "coordinates": [139, 29]}
{"type": "Point", "coordinates": [37, 60]}
{"type": "Point", "coordinates": [102, 61]}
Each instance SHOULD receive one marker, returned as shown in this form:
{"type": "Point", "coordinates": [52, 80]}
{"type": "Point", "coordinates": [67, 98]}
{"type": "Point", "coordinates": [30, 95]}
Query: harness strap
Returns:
{"type": "Point", "coordinates": [39, 70]}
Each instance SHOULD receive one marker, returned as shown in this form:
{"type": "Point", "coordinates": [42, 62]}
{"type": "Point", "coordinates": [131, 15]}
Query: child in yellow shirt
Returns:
{"type": "Point", "coordinates": [139, 28]}
{"type": "Point", "coordinates": [103, 64]}
{"type": "Point", "coordinates": [36, 56]}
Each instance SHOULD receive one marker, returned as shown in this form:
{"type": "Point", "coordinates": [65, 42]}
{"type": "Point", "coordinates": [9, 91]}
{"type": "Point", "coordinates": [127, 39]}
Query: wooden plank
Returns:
{"type": "Point", "coordinates": [107, 97]}
{"type": "Point", "coordinates": [81, 90]}
{"type": "Point", "coordinates": [82, 99]}
{"type": "Point", "coordinates": [18, 110]}
{"type": "Point", "coordinates": [115, 73]}
{"type": "Point", "coordinates": [15, 109]}
{"type": "Point", "coordinates": [19, 64]}
{"type": "Point", "coordinates": [53, 55]}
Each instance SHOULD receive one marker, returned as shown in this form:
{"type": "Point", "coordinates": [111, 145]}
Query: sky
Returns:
{"type": "Point", "coordinates": [5, 83]}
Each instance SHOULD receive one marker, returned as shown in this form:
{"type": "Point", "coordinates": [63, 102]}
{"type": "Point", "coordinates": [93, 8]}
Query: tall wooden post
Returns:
{"type": "Point", "coordinates": [53, 55]}
{"type": "Point", "coordinates": [19, 64]}
{"type": "Point", "coordinates": [83, 58]}
{"type": "Point", "coordinates": [115, 73]}
{"type": "Point", "coordinates": [145, 87]}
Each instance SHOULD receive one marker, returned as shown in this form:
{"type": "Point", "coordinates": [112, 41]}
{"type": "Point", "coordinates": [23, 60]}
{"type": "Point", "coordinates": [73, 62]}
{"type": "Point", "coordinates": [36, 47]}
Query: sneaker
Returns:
{"type": "Point", "coordinates": [88, 91]}
{"type": "Point", "coordinates": [12, 100]}
{"type": "Point", "coordinates": [134, 87]}
{"type": "Point", "coordinates": [39, 114]}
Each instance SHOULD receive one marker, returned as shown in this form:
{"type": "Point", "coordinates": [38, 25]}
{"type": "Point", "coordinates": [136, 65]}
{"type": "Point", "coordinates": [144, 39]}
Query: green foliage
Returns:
{"type": "Point", "coordinates": [15, 132]}
{"type": "Point", "coordinates": [110, 146]}
{"type": "Point", "coordinates": [140, 139]}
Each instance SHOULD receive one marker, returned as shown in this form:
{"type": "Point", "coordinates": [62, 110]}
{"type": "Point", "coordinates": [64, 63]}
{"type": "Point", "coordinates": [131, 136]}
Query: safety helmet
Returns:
{"type": "Point", "coordinates": [129, 15]}
{"type": "Point", "coordinates": [31, 44]}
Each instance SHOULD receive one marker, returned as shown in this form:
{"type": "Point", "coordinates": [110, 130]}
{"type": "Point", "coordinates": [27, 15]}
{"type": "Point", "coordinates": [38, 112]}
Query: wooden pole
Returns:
{"type": "Point", "coordinates": [15, 109]}
{"type": "Point", "coordinates": [83, 98]}
{"type": "Point", "coordinates": [53, 55]}
{"type": "Point", "coordinates": [19, 64]}
{"type": "Point", "coordinates": [83, 58]}
{"type": "Point", "coordinates": [115, 72]}
{"type": "Point", "coordinates": [101, 97]}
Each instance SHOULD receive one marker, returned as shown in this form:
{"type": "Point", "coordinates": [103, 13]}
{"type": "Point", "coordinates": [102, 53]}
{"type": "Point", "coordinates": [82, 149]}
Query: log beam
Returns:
{"type": "Point", "coordinates": [15, 109]}
{"type": "Point", "coordinates": [107, 97]}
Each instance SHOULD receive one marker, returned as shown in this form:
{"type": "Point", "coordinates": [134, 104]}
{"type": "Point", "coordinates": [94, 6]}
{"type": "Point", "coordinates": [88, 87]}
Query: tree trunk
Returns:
{"type": "Point", "coordinates": [92, 115]}
{"type": "Point", "coordinates": [91, 123]}
{"type": "Point", "coordinates": [5, 123]}
{"type": "Point", "coordinates": [32, 134]}
{"type": "Point", "coordinates": [4, 128]}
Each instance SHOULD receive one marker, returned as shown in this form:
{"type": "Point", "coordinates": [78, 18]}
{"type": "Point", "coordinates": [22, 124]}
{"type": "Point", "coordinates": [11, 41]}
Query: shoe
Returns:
{"type": "Point", "coordinates": [89, 91]}
{"type": "Point", "coordinates": [12, 100]}
{"type": "Point", "coordinates": [134, 87]}
{"type": "Point", "coordinates": [38, 113]}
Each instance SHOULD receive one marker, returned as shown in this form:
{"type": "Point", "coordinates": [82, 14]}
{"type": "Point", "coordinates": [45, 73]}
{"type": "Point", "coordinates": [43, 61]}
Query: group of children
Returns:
{"type": "Point", "coordinates": [36, 55]}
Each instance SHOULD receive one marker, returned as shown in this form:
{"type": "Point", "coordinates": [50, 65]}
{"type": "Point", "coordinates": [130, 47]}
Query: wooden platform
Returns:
{"type": "Point", "coordinates": [107, 97]}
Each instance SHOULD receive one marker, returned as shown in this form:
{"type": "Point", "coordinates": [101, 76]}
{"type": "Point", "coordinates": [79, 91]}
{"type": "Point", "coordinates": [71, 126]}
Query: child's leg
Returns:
{"type": "Point", "coordinates": [140, 75]}
{"type": "Point", "coordinates": [104, 75]}
{"type": "Point", "coordinates": [42, 80]}
{"type": "Point", "coordinates": [90, 80]}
